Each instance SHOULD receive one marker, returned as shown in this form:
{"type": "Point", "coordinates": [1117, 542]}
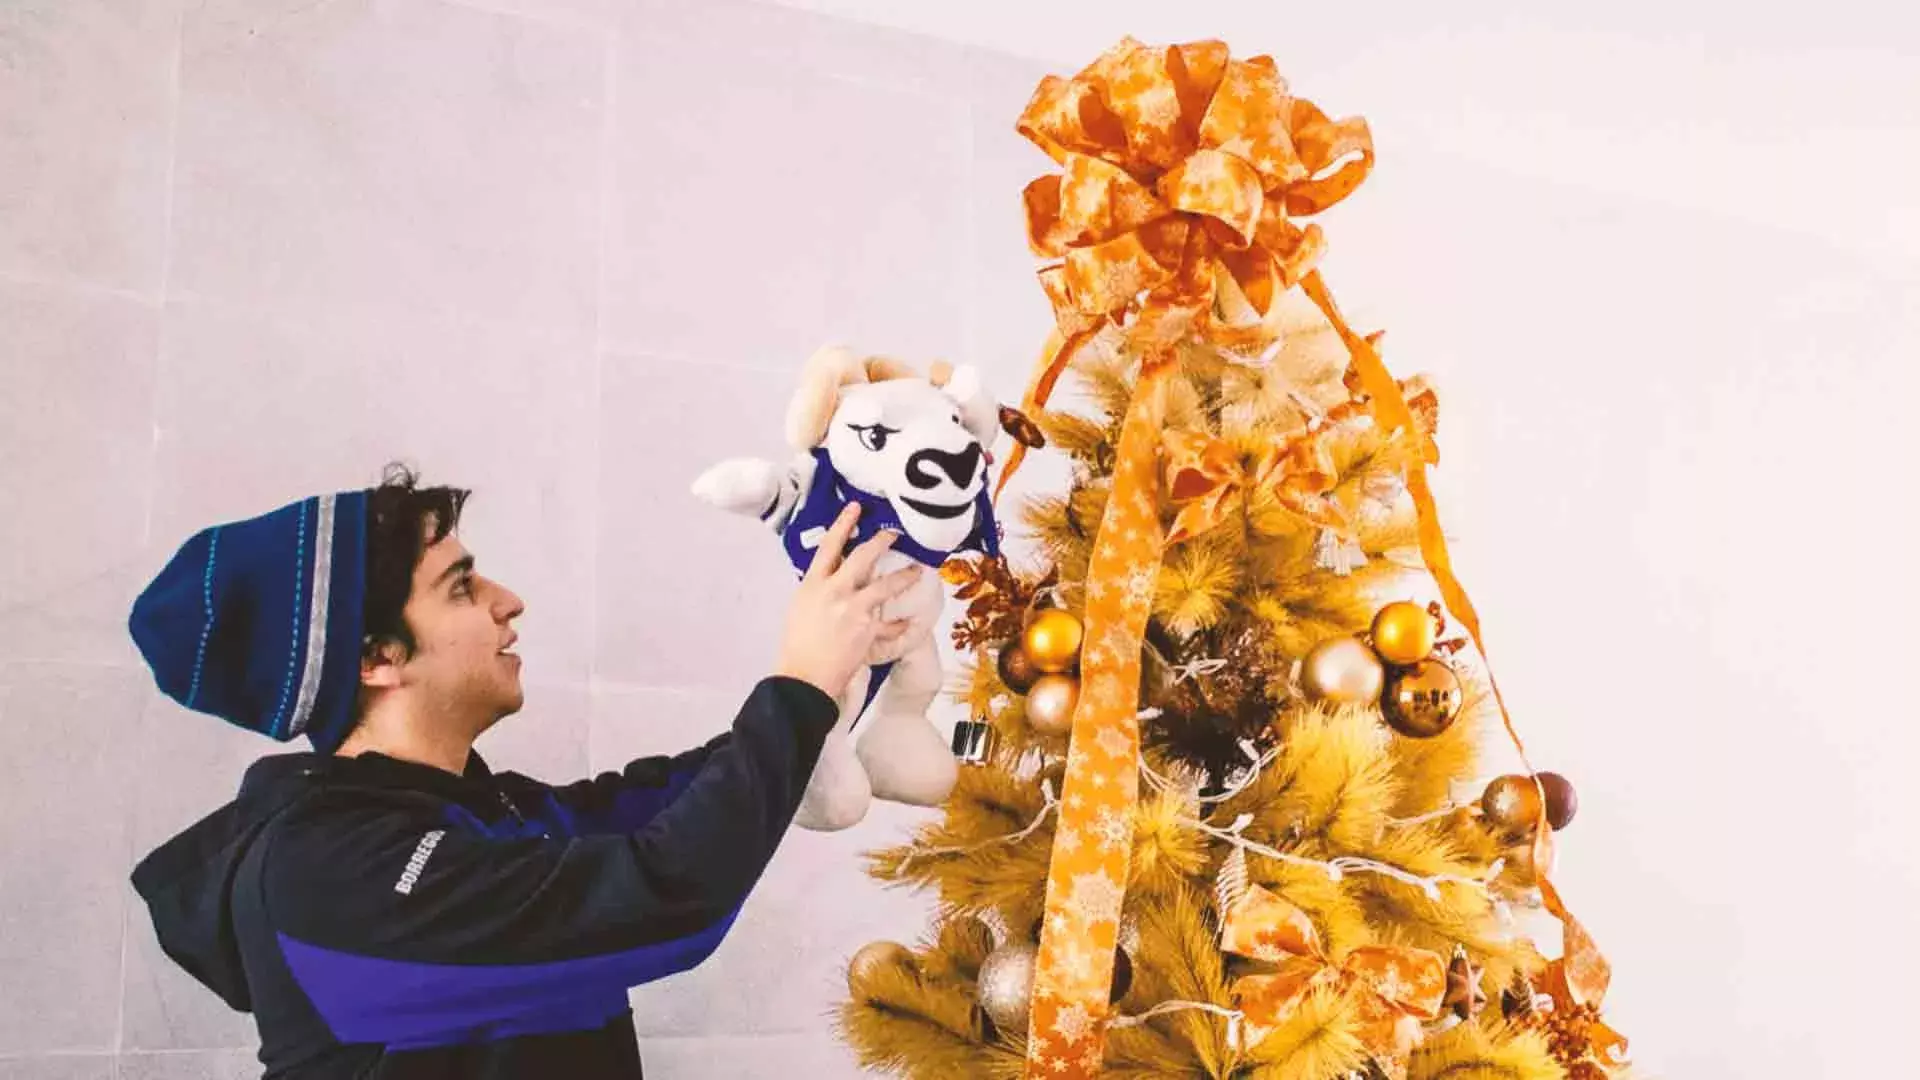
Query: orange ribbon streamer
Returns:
{"type": "Point", "coordinates": [1393, 984]}
{"type": "Point", "coordinates": [1586, 970]}
{"type": "Point", "coordinates": [1087, 874]}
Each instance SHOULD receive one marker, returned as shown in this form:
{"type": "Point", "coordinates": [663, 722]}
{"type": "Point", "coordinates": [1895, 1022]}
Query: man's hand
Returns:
{"type": "Point", "coordinates": [834, 619]}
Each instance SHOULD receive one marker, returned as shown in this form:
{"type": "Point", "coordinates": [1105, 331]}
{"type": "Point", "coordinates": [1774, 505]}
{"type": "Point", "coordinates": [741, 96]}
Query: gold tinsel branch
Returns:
{"type": "Point", "coordinates": [899, 1021]}
{"type": "Point", "coordinates": [1167, 852]}
{"type": "Point", "coordinates": [1330, 788]}
{"type": "Point", "coordinates": [991, 872]}
{"type": "Point", "coordinates": [1178, 959]}
{"type": "Point", "coordinates": [1494, 1050]}
{"type": "Point", "coordinates": [1198, 584]}
{"type": "Point", "coordinates": [1083, 438]}
{"type": "Point", "coordinates": [1318, 1040]}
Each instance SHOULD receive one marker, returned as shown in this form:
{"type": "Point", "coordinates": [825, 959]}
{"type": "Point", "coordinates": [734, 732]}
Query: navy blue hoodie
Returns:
{"type": "Point", "coordinates": [384, 919]}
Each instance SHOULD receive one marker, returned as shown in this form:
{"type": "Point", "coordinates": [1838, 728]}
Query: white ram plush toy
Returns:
{"type": "Point", "coordinates": [912, 450]}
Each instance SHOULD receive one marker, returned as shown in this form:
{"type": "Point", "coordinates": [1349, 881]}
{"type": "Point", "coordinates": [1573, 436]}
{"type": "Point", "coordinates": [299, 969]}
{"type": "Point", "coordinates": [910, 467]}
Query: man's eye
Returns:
{"type": "Point", "coordinates": [463, 587]}
{"type": "Point", "coordinates": [874, 436]}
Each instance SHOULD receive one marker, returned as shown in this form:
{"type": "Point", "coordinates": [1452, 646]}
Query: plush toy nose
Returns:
{"type": "Point", "coordinates": [959, 467]}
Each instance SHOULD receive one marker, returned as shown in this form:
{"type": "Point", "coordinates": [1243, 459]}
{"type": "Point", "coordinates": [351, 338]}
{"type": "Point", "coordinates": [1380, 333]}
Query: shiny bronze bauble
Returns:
{"type": "Point", "coordinates": [1423, 700]}
{"type": "Point", "coordinates": [1562, 802]}
{"type": "Point", "coordinates": [1016, 668]}
{"type": "Point", "coordinates": [1511, 805]}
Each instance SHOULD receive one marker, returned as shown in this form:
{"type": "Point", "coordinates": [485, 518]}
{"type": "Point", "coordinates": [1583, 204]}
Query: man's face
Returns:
{"type": "Point", "coordinates": [461, 671]}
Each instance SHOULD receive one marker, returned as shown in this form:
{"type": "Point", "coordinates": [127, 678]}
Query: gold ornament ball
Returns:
{"type": "Point", "coordinates": [1052, 640]}
{"type": "Point", "coordinates": [1016, 668]}
{"type": "Point", "coordinates": [1342, 670]}
{"type": "Point", "coordinates": [874, 957]}
{"type": "Point", "coordinates": [1404, 633]}
{"type": "Point", "coordinates": [1511, 804]}
{"type": "Point", "coordinates": [1422, 700]}
{"type": "Point", "coordinates": [1051, 702]}
{"type": "Point", "coordinates": [1005, 990]}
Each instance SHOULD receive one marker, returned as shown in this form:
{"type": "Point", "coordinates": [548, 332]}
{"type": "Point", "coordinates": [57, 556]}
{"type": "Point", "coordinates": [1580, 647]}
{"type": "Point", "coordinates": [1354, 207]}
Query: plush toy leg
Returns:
{"type": "Point", "coordinates": [838, 793]}
{"type": "Point", "coordinates": [906, 759]}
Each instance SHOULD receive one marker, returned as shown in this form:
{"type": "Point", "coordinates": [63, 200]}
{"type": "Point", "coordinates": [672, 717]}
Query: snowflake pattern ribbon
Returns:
{"type": "Point", "coordinates": [1182, 173]}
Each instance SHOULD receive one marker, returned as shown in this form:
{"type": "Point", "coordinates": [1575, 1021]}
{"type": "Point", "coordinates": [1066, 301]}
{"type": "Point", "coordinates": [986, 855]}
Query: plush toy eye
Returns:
{"type": "Point", "coordinates": [956, 418]}
{"type": "Point", "coordinates": [874, 436]}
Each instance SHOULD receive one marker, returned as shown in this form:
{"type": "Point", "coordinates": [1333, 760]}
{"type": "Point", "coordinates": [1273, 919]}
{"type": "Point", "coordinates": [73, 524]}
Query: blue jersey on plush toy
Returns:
{"type": "Point", "coordinates": [829, 493]}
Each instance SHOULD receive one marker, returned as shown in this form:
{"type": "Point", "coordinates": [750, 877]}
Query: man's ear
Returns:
{"type": "Point", "coordinates": [380, 666]}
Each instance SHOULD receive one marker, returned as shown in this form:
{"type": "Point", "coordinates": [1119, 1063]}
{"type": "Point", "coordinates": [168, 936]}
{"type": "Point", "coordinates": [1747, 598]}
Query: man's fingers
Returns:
{"type": "Point", "coordinates": [826, 558]}
{"type": "Point", "coordinates": [859, 565]}
{"type": "Point", "coordinates": [884, 589]}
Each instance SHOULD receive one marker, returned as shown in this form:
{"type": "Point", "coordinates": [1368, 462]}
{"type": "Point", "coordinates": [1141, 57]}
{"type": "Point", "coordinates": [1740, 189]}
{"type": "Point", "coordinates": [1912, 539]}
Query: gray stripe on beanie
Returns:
{"type": "Point", "coordinates": [316, 618]}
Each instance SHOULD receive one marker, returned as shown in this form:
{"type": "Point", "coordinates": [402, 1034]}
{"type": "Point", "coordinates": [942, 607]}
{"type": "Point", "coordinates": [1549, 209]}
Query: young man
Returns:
{"type": "Point", "coordinates": [388, 907]}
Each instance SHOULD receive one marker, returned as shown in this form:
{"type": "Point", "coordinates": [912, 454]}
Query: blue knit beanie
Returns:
{"type": "Point", "coordinates": [259, 621]}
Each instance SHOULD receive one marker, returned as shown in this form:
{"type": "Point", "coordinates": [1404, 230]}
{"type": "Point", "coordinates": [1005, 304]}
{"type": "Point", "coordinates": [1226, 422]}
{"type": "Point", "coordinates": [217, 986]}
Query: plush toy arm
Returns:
{"type": "Point", "coordinates": [757, 487]}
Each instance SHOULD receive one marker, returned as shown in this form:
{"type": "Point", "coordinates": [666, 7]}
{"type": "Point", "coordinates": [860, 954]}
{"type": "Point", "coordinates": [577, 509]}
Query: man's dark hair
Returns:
{"type": "Point", "coordinates": [403, 520]}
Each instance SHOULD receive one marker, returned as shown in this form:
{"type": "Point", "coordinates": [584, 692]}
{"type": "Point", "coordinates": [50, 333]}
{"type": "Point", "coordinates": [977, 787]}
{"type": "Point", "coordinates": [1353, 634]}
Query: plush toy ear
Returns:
{"type": "Point", "coordinates": [978, 411]}
{"type": "Point", "coordinates": [811, 409]}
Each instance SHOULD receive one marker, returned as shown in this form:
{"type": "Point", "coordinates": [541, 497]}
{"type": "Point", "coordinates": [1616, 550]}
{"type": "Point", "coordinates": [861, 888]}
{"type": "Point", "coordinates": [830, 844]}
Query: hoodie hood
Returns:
{"type": "Point", "coordinates": [187, 881]}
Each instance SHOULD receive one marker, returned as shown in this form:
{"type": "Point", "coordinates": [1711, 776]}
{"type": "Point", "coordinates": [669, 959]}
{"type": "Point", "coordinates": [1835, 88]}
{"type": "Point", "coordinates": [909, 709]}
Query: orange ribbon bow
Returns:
{"type": "Point", "coordinates": [1183, 168]}
{"type": "Point", "coordinates": [1395, 987]}
{"type": "Point", "coordinates": [1206, 475]}
{"type": "Point", "coordinates": [1183, 173]}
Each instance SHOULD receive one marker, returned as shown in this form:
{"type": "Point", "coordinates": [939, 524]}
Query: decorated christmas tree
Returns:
{"type": "Point", "coordinates": [1225, 813]}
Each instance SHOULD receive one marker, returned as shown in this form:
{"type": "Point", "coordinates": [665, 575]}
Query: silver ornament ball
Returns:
{"type": "Point", "coordinates": [1006, 984]}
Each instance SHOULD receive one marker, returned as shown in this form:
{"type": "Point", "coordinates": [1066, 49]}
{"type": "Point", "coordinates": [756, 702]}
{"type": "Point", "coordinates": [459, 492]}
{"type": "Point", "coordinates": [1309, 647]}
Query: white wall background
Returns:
{"type": "Point", "coordinates": [1666, 267]}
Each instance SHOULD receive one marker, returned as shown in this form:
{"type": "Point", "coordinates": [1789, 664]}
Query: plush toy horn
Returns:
{"type": "Point", "coordinates": [821, 378]}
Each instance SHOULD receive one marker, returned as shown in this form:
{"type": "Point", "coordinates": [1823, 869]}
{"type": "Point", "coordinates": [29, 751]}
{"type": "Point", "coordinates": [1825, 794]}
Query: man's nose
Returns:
{"type": "Point", "coordinates": [507, 604]}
